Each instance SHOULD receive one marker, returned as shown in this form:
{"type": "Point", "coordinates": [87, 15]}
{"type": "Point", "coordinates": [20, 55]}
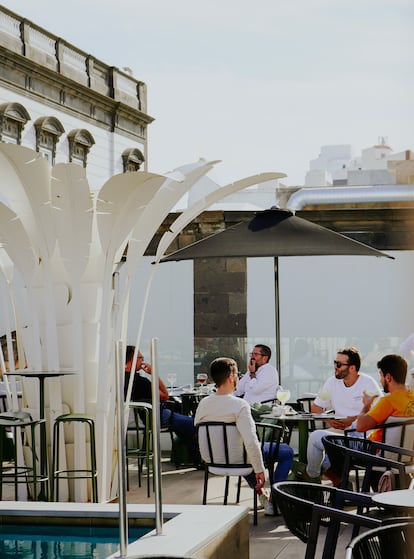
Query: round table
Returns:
{"type": "Point", "coordinates": [302, 420]}
{"type": "Point", "coordinates": [402, 499]}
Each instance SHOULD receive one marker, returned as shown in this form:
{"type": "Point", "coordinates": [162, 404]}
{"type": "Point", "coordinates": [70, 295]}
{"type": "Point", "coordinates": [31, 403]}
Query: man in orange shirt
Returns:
{"type": "Point", "coordinates": [398, 400]}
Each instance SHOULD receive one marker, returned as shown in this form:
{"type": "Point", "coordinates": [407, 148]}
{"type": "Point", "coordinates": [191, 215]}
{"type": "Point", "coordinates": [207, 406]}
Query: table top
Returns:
{"type": "Point", "coordinates": [30, 373]}
{"type": "Point", "coordinates": [187, 392]}
{"type": "Point", "coordinates": [400, 498]}
{"type": "Point", "coordinates": [301, 416]}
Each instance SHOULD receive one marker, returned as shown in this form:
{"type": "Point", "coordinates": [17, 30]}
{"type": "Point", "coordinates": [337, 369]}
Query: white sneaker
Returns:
{"type": "Point", "coordinates": [263, 500]}
{"type": "Point", "coordinates": [266, 505]}
{"type": "Point", "coordinates": [268, 508]}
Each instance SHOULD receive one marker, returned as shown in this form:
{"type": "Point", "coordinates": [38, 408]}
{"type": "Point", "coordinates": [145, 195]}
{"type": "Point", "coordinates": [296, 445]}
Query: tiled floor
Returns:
{"type": "Point", "coordinates": [270, 539]}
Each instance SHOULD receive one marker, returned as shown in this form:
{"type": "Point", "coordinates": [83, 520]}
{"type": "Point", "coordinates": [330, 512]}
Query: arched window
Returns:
{"type": "Point", "coordinates": [80, 142]}
{"type": "Point", "coordinates": [132, 160]}
{"type": "Point", "coordinates": [13, 118]}
{"type": "Point", "coordinates": [48, 132]}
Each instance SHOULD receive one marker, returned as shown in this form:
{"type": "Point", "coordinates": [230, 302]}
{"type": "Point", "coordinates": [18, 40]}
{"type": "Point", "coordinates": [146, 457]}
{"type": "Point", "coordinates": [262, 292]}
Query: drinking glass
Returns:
{"type": "Point", "coordinates": [202, 379]}
{"type": "Point", "coordinates": [172, 379]}
{"type": "Point", "coordinates": [283, 395]}
{"type": "Point", "coordinates": [324, 395]}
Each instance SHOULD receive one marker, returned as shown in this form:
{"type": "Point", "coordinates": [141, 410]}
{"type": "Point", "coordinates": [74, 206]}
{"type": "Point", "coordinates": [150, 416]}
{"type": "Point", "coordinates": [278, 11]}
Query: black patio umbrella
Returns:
{"type": "Point", "coordinates": [274, 232]}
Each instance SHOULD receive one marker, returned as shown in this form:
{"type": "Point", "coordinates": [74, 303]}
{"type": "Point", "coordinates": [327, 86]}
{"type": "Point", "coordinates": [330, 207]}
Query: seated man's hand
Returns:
{"type": "Point", "coordinates": [341, 423]}
{"type": "Point", "coordinates": [260, 480]}
{"type": "Point", "coordinates": [146, 367]}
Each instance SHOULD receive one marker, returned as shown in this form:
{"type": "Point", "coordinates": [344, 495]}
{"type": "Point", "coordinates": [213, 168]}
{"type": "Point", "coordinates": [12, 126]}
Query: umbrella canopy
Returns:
{"type": "Point", "coordinates": [274, 232]}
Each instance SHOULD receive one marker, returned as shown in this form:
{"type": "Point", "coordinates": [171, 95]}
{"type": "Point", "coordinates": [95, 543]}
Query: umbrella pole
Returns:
{"type": "Point", "coordinates": [277, 317]}
{"type": "Point", "coordinates": [156, 435]}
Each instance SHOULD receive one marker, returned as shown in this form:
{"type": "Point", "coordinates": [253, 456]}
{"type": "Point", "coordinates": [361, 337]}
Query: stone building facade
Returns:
{"type": "Point", "coordinates": [68, 105]}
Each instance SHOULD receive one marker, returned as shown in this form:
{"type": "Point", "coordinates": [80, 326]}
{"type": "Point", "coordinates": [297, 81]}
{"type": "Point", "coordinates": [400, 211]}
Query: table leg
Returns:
{"type": "Point", "coordinates": [44, 493]}
{"type": "Point", "coordinates": [303, 432]}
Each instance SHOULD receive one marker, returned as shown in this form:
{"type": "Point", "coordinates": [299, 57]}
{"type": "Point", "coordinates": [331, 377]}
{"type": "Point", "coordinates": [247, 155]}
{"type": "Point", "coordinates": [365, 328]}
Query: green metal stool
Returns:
{"type": "Point", "coordinates": [16, 422]}
{"type": "Point", "coordinates": [58, 474]}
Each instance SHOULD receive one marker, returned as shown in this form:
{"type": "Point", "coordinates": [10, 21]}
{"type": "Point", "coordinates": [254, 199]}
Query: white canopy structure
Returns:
{"type": "Point", "coordinates": [60, 245]}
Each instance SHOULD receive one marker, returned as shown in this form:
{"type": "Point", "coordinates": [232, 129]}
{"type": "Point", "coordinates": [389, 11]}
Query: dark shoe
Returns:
{"type": "Point", "coordinates": [333, 477]}
{"type": "Point", "coordinates": [300, 473]}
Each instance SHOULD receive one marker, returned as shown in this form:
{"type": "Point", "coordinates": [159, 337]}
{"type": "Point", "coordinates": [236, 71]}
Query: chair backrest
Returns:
{"type": "Point", "coordinates": [273, 435]}
{"type": "Point", "coordinates": [399, 431]}
{"type": "Point", "coordinates": [142, 412]}
{"type": "Point", "coordinates": [348, 452]}
{"type": "Point", "coordinates": [306, 506]}
{"type": "Point", "coordinates": [394, 540]}
{"type": "Point", "coordinates": [269, 433]}
{"type": "Point", "coordinates": [222, 449]}
{"type": "Point", "coordinates": [306, 402]}
{"type": "Point", "coordinates": [295, 501]}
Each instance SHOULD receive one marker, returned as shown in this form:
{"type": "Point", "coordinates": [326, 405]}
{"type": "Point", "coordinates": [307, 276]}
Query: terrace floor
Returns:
{"type": "Point", "coordinates": [270, 539]}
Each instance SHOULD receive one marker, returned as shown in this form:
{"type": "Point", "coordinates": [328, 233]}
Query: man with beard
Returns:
{"type": "Point", "coordinates": [397, 402]}
{"type": "Point", "coordinates": [224, 406]}
{"type": "Point", "coordinates": [343, 393]}
{"type": "Point", "coordinates": [260, 382]}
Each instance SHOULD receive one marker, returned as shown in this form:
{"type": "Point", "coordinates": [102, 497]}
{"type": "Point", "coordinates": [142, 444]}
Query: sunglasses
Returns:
{"type": "Point", "coordinates": [338, 364]}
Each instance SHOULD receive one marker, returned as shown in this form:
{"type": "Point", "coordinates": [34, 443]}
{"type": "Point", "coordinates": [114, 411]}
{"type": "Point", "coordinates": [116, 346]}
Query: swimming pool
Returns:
{"type": "Point", "coordinates": [18, 541]}
{"type": "Point", "coordinates": [188, 530]}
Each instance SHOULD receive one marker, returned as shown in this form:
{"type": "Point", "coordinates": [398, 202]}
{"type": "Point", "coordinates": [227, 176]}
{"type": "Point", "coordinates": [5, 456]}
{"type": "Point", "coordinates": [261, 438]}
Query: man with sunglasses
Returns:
{"type": "Point", "coordinates": [260, 382]}
{"type": "Point", "coordinates": [344, 394]}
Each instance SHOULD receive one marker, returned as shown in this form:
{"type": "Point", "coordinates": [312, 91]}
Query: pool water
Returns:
{"type": "Point", "coordinates": [62, 542]}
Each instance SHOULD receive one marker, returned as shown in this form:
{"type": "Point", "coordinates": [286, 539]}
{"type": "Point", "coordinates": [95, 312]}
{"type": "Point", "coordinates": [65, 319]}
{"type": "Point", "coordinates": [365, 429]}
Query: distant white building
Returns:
{"type": "Point", "coordinates": [337, 165]}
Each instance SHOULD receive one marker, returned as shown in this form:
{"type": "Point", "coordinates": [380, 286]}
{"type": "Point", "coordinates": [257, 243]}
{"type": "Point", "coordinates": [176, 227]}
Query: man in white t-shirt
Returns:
{"type": "Point", "coordinates": [260, 382]}
{"type": "Point", "coordinates": [343, 393]}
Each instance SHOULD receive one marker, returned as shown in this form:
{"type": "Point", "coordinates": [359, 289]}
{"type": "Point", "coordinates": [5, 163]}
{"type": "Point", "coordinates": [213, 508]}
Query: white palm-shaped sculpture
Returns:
{"type": "Point", "coordinates": [59, 248]}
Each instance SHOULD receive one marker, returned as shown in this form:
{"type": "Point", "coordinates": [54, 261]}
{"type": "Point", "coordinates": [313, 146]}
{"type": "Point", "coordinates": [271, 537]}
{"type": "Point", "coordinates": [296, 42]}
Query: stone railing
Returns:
{"type": "Point", "coordinates": [26, 38]}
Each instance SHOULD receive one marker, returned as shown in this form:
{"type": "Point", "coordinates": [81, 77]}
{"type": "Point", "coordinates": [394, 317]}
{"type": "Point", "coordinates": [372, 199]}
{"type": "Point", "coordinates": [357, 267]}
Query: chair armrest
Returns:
{"type": "Point", "coordinates": [322, 511]}
{"type": "Point", "coordinates": [345, 497]}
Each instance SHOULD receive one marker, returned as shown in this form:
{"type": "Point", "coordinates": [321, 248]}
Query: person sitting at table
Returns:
{"type": "Point", "coordinates": [260, 382]}
{"type": "Point", "coordinates": [398, 400]}
{"type": "Point", "coordinates": [181, 425]}
{"type": "Point", "coordinates": [343, 393]}
{"type": "Point", "coordinates": [224, 406]}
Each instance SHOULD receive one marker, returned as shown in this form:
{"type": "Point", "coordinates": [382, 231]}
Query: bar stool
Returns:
{"type": "Point", "coordinates": [143, 450]}
{"type": "Point", "coordinates": [17, 422]}
{"type": "Point", "coordinates": [90, 473]}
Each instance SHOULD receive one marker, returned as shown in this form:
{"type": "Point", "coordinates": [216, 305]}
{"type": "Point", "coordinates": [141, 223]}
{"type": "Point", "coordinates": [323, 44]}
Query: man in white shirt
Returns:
{"type": "Point", "coordinates": [223, 406]}
{"type": "Point", "coordinates": [260, 382]}
{"type": "Point", "coordinates": [344, 394]}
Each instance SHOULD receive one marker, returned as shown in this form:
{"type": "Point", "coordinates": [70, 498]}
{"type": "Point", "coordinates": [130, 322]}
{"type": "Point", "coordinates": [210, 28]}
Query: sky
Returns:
{"type": "Point", "coordinates": [259, 85]}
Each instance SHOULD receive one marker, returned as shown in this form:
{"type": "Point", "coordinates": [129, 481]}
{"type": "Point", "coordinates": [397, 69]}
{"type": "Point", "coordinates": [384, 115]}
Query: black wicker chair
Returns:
{"type": "Point", "coordinates": [369, 457]}
{"type": "Point", "coordinates": [306, 507]}
{"type": "Point", "coordinates": [396, 431]}
{"type": "Point", "coordinates": [395, 540]}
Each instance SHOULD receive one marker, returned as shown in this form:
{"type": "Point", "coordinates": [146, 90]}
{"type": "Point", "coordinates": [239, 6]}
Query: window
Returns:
{"type": "Point", "coordinates": [13, 118]}
{"type": "Point", "coordinates": [80, 142]}
{"type": "Point", "coordinates": [48, 132]}
{"type": "Point", "coordinates": [132, 160]}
